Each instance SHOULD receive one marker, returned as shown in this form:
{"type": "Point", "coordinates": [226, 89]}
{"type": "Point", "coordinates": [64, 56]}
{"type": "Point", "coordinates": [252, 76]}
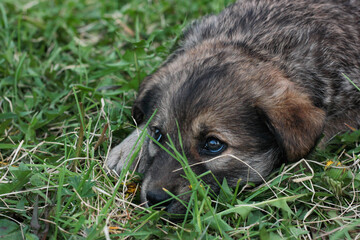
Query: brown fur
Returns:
{"type": "Point", "coordinates": [261, 81]}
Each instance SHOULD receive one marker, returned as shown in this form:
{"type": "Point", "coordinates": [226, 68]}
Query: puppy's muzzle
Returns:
{"type": "Point", "coordinates": [159, 198]}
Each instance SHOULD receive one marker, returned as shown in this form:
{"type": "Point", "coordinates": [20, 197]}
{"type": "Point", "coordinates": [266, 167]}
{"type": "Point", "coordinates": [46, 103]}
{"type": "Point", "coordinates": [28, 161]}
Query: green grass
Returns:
{"type": "Point", "coordinates": [60, 113]}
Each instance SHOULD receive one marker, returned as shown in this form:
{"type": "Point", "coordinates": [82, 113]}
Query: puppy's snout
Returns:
{"type": "Point", "coordinates": [158, 197]}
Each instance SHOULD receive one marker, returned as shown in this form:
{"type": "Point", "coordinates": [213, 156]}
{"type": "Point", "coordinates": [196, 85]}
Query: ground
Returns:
{"type": "Point", "coordinates": [69, 72]}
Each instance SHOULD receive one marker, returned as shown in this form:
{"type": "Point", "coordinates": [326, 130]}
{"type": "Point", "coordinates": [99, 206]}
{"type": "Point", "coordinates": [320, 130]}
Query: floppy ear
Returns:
{"type": "Point", "coordinates": [145, 103]}
{"type": "Point", "coordinates": [296, 122]}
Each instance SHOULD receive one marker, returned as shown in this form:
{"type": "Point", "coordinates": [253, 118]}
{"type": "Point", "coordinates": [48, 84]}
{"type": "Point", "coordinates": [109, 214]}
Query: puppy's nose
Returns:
{"type": "Point", "coordinates": [157, 196]}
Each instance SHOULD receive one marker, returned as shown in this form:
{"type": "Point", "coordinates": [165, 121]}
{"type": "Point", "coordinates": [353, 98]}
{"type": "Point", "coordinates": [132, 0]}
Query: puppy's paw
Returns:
{"type": "Point", "coordinates": [120, 155]}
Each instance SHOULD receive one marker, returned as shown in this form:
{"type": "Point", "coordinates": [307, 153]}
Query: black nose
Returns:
{"type": "Point", "coordinates": [158, 197]}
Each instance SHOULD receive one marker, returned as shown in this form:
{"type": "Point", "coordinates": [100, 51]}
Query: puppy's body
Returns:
{"type": "Point", "coordinates": [262, 81]}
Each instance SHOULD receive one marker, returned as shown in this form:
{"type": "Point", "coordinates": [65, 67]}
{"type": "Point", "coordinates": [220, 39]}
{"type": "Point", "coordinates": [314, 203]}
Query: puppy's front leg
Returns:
{"type": "Point", "coordinates": [121, 154]}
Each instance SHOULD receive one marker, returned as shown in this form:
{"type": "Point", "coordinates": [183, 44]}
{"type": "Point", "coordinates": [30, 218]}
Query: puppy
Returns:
{"type": "Point", "coordinates": [262, 81]}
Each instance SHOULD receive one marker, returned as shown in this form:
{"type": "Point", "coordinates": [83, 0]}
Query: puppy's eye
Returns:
{"type": "Point", "coordinates": [157, 135]}
{"type": "Point", "coordinates": [213, 146]}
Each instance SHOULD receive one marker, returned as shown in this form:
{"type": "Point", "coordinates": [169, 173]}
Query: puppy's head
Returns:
{"type": "Point", "coordinates": [224, 102]}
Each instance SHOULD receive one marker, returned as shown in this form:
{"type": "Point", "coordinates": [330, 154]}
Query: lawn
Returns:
{"type": "Point", "coordinates": [69, 72]}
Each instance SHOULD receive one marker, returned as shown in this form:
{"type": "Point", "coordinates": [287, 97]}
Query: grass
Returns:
{"type": "Point", "coordinates": [60, 112]}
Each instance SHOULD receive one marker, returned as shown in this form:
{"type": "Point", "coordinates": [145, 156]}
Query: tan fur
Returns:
{"type": "Point", "coordinates": [247, 90]}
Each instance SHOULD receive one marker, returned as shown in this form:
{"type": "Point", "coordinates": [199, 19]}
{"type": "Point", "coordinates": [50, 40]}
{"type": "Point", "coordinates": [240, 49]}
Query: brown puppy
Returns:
{"type": "Point", "coordinates": [262, 81]}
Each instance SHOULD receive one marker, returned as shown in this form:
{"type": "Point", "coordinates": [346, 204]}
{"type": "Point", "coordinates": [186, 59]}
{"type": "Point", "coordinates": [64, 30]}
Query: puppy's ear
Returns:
{"type": "Point", "coordinates": [296, 122]}
{"type": "Point", "coordinates": [145, 104]}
